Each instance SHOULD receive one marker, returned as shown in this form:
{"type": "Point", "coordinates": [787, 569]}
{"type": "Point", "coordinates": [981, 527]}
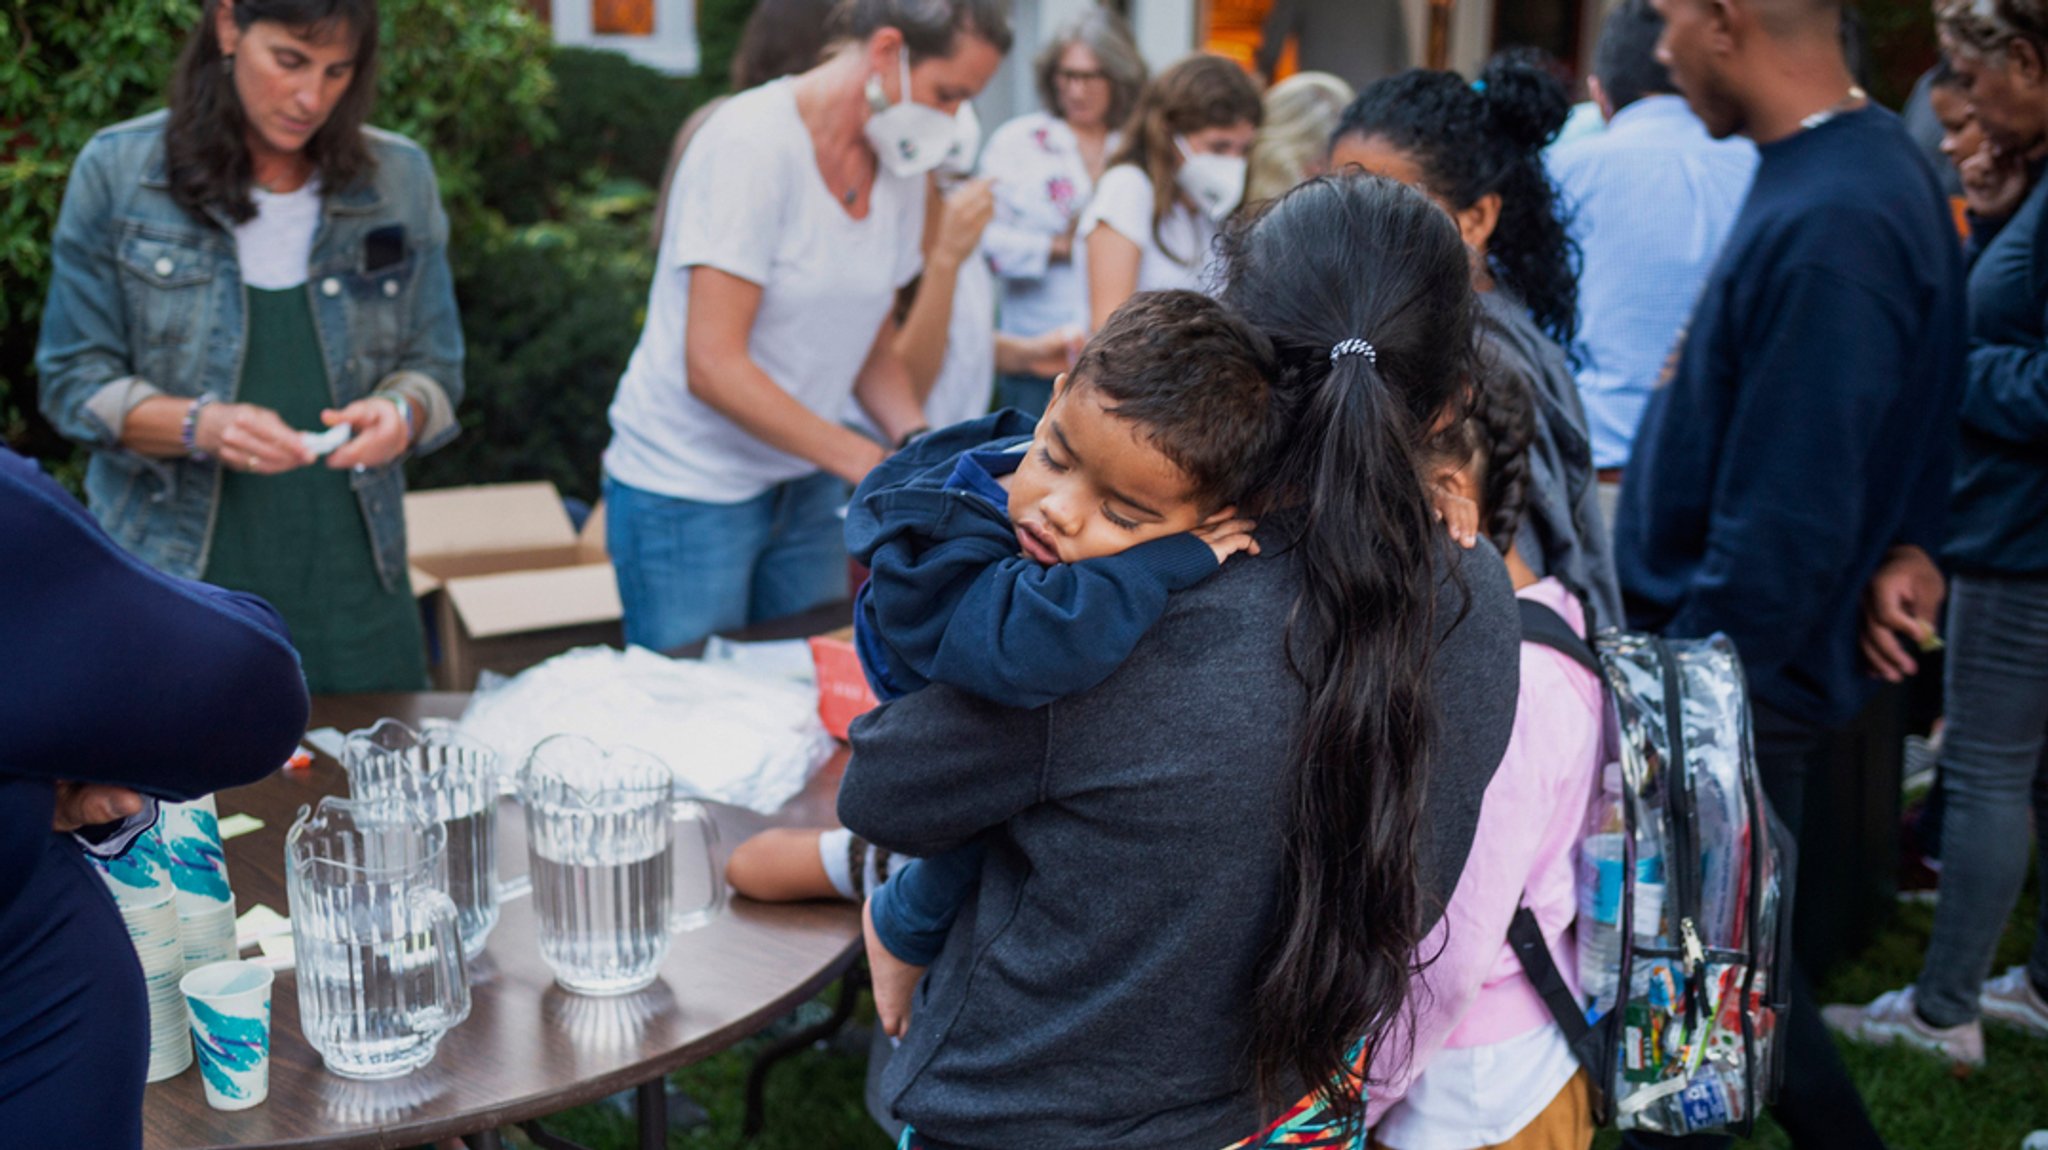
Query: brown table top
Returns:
{"type": "Point", "coordinates": [528, 1048]}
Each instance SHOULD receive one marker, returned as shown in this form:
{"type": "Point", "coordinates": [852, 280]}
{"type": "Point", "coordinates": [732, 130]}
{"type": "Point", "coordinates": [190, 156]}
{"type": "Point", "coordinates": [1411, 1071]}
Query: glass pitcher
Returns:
{"type": "Point", "coordinates": [446, 778]}
{"type": "Point", "coordinates": [600, 836]}
{"type": "Point", "coordinates": [380, 968]}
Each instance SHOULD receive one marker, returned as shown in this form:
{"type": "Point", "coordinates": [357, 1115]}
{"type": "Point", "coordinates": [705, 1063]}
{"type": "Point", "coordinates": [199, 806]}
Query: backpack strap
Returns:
{"type": "Point", "coordinates": [1526, 937]}
{"type": "Point", "coordinates": [1546, 628]}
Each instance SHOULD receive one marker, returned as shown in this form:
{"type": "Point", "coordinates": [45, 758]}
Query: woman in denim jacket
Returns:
{"type": "Point", "coordinates": [248, 266]}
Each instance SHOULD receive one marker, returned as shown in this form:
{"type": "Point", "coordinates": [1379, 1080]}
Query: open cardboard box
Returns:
{"type": "Point", "coordinates": [509, 580]}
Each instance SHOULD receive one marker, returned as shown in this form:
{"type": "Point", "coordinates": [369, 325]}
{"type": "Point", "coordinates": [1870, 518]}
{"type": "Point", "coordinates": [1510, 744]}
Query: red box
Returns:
{"type": "Point", "coordinates": [843, 691]}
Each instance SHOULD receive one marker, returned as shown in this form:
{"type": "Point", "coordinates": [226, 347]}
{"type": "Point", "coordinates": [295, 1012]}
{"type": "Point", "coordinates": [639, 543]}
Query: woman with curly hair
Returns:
{"type": "Point", "coordinates": [1477, 150]}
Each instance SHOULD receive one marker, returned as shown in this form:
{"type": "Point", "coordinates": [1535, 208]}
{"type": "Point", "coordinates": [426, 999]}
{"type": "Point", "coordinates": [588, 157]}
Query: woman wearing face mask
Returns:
{"type": "Point", "coordinates": [1179, 173]}
{"type": "Point", "coordinates": [233, 277]}
{"type": "Point", "coordinates": [793, 222]}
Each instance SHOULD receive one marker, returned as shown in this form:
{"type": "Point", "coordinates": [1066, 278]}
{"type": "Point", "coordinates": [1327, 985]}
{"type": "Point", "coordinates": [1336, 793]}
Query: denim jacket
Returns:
{"type": "Point", "coordinates": [146, 300]}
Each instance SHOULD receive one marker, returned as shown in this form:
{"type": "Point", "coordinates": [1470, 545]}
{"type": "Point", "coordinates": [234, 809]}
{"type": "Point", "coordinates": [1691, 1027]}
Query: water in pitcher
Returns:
{"type": "Point", "coordinates": [603, 913]}
{"type": "Point", "coordinates": [473, 874]}
{"type": "Point", "coordinates": [361, 979]}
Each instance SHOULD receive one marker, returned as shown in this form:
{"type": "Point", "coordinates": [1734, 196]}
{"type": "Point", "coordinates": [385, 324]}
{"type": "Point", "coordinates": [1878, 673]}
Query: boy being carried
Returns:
{"type": "Point", "coordinates": [1024, 566]}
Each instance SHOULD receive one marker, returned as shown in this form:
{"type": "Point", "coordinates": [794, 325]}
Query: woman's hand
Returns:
{"type": "Point", "coordinates": [895, 981]}
{"type": "Point", "coordinates": [92, 804]}
{"type": "Point", "coordinates": [1994, 183]}
{"type": "Point", "coordinates": [382, 433]}
{"type": "Point", "coordinates": [245, 437]}
{"type": "Point", "coordinates": [967, 213]}
{"type": "Point", "coordinates": [1045, 355]}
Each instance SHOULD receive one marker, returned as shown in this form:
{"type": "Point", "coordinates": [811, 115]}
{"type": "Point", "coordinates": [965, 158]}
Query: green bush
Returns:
{"type": "Point", "coordinates": [551, 312]}
{"type": "Point", "coordinates": [612, 117]}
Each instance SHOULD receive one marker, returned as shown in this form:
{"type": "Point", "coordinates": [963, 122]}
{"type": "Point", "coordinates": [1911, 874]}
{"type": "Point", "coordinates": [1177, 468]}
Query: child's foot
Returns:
{"type": "Point", "coordinates": [893, 980]}
{"type": "Point", "coordinates": [2011, 998]}
{"type": "Point", "coordinates": [1890, 1017]}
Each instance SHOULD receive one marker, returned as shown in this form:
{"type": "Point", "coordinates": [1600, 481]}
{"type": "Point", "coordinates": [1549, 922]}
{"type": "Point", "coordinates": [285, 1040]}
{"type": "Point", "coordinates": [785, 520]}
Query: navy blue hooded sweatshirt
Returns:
{"type": "Point", "coordinates": [1809, 424]}
{"type": "Point", "coordinates": [1998, 522]}
{"type": "Point", "coordinates": [951, 599]}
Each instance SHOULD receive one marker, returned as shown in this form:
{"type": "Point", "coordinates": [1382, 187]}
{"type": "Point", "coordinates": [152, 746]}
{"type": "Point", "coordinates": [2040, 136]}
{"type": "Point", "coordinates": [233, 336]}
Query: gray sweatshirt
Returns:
{"type": "Point", "coordinates": [1096, 988]}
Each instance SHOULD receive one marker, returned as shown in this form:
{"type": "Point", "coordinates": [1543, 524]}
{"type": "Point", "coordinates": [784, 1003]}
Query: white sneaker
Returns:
{"type": "Point", "coordinates": [1890, 1017]}
{"type": "Point", "coordinates": [2011, 998]}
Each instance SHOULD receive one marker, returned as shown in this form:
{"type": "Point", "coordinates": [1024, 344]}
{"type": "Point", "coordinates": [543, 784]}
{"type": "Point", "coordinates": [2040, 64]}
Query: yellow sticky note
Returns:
{"type": "Point", "coordinates": [233, 825]}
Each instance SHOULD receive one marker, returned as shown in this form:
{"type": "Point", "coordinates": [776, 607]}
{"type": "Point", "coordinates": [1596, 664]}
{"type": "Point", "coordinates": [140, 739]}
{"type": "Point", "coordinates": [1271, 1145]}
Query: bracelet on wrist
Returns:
{"type": "Point", "coordinates": [188, 431]}
{"type": "Point", "coordinates": [911, 436]}
{"type": "Point", "coordinates": [404, 406]}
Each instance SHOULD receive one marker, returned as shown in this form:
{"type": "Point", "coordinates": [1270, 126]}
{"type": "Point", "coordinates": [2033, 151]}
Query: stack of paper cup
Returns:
{"type": "Point", "coordinates": [199, 870]}
{"type": "Point", "coordinates": [141, 882]}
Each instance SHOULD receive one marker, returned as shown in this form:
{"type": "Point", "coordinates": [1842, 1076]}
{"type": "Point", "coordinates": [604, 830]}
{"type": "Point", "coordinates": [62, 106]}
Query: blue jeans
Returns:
{"type": "Point", "coordinates": [1992, 772]}
{"type": "Point", "coordinates": [1027, 393]}
{"type": "Point", "coordinates": [688, 569]}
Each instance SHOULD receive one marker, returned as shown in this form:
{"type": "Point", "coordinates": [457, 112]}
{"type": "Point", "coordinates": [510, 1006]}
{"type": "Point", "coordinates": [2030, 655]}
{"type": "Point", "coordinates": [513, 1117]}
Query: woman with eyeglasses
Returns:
{"type": "Point", "coordinates": [1044, 165]}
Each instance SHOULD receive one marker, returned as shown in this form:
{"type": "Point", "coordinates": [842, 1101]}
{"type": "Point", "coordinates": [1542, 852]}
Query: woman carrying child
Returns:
{"type": "Point", "coordinates": [1486, 1066]}
{"type": "Point", "coordinates": [1477, 150]}
{"type": "Point", "coordinates": [1205, 877]}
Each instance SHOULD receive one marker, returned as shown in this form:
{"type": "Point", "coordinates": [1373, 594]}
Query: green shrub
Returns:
{"type": "Point", "coordinates": [612, 117]}
{"type": "Point", "coordinates": [551, 312]}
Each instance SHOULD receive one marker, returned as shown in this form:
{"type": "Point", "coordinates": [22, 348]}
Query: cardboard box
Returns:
{"type": "Point", "coordinates": [507, 578]}
{"type": "Point", "coordinates": [843, 691]}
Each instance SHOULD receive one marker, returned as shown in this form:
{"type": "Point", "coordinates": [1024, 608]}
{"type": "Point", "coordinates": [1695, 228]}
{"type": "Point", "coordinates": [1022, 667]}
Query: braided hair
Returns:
{"type": "Point", "coordinates": [1470, 140]}
{"type": "Point", "coordinates": [1499, 425]}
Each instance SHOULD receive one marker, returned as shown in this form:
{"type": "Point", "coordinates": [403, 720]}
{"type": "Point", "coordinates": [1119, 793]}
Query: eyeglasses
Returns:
{"type": "Point", "coordinates": [1070, 76]}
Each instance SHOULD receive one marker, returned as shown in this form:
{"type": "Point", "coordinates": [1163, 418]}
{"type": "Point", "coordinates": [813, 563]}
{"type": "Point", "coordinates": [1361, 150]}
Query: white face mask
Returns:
{"type": "Point", "coordinates": [1216, 183]}
{"type": "Point", "coordinates": [909, 138]}
{"type": "Point", "coordinates": [959, 159]}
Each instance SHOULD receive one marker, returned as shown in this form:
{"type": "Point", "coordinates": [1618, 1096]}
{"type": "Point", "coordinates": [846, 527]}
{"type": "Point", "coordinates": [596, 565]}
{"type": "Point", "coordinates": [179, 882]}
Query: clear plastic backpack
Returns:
{"type": "Point", "coordinates": [1685, 894]}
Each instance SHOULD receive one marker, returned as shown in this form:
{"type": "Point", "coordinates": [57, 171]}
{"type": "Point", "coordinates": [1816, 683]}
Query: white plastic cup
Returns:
{"type": "Point", "coordinates": [228, 1004]}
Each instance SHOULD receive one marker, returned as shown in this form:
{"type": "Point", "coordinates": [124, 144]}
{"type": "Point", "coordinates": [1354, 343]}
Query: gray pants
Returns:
{"type": "Point", "coordinates": [1992, 770]}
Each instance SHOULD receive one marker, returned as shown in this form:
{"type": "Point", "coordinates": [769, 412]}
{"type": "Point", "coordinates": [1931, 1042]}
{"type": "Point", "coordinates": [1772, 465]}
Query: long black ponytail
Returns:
{"type": "Point", "coordinates": [1336, 260]}
{"type": "Point", "coordinates": [1474, 139]}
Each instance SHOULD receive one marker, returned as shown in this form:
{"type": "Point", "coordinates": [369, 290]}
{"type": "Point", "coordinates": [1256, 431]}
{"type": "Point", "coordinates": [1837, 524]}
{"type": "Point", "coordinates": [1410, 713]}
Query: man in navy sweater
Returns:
{"type": "Point", "coordinates": [1799, 455]}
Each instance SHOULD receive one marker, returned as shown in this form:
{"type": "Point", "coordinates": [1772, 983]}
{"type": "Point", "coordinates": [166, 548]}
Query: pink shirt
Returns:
{"type": "Point", "coordinates": [1529, 823]}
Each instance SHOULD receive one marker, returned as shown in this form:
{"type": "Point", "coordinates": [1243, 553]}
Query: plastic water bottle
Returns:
{"type": "Point", "coordinates": [1602, 856]}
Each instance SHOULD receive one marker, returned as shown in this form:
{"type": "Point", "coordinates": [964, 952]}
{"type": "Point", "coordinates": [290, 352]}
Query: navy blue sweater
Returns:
{"type": "Point", "coordinates": [950, 599]}
{"type": "Point", "coordinates": [1808, 426]}
{"type": "Point", "coordinates": [118, 674]}
{"type": "Point", "coordinates": [1998, 522]}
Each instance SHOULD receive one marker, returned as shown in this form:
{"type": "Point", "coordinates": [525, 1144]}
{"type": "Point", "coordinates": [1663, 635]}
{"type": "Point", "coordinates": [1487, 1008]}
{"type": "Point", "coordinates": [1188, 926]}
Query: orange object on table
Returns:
{"type": "Point", "coordinates": [843, 691]}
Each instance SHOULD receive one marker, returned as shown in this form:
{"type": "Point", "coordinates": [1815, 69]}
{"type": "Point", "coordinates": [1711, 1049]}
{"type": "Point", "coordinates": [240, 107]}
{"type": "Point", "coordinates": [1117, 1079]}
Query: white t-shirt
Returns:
{"type": "Point", "coordinates": [1478, 1096]}
{"type": "Point", "coordinates": [1042, 186]}
{"type": "Point", "coordinates": [275, 245]}
{"type": "Point", "coordinates": [749, 201]}
{"type": "Point", "coordinates": [967, 378]}
{"type": "Point", "coordinates": [1123, 202]}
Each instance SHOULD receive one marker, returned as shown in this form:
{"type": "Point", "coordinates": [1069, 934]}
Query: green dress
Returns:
{"type": "Point", "coordinates": [298, 539]}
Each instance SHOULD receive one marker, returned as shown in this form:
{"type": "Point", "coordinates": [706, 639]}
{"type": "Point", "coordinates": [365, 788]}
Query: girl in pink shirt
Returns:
{"type": "Point", "coordinates": [1486, 1066]}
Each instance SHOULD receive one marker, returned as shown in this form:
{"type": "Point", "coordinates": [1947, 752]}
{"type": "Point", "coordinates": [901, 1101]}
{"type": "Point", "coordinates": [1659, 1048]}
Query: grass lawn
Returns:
{"type": "Point", "coordinates": [814, 1099]}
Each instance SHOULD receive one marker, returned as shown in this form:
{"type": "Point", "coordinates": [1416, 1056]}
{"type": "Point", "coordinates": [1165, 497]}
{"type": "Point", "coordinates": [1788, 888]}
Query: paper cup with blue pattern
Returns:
{"type": "Point", "coordinates": [228, 1004]}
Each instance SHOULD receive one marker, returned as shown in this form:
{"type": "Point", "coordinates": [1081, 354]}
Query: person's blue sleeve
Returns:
{"type": "Point", "coordinates": [916, 907]}
{"type": "Point", "coordinates": [972, 614]}
{"type": "Point", "coordinates": [2007, 396]}
{"type": "Point", "coordinates": [124, 675]}
{"type": "Point", "coordinates": [1785, 537]}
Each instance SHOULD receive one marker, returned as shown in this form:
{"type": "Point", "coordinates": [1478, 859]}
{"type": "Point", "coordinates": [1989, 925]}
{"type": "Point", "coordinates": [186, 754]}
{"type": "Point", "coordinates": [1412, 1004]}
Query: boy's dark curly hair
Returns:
{"type": "Point", "coordinates": [1472, 139]}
